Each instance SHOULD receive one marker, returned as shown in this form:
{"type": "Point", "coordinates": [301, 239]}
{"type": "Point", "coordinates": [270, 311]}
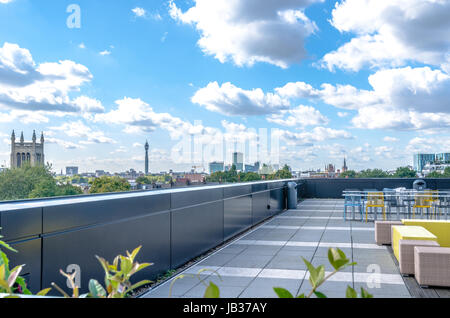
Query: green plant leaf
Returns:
{"type": "Point", "coordinates": [96, 290]}
{"type": "Point", "coordinates": [319, 294]}
{"type": "Point", "coordinates": [282, 293]}
{"type": "Point", "coordinates": [212, 291]}
{"type": "Point", "coordinates": [44, 292]}
{"type": "Point", "coordinates": [337, 258]}
{"type": "Point", "coordinates": [5, 245]}
{"type": "Point", "coordinates": [351, 293]}
{"type": "Point", "coordinates": [313, 273]}
{"type": "Point", "coordinates": [301, 296]}
{"type": "Point", "coordinates": [365, 293]}
{"type": "Point", "coordinates": [139, 284]}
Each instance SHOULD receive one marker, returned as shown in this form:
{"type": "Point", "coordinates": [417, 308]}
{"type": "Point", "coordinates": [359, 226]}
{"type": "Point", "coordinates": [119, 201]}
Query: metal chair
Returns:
{"type": "Point", "coordinates": [392, 201]}
{"type": "Point", "coordinates": [443, 203]}
{"type": "Point", "coordinates": [422, 200]}
{"type": "Point", "coordinates": [375, 200]}
{"type": "Point", "coordinates": [353, 200]}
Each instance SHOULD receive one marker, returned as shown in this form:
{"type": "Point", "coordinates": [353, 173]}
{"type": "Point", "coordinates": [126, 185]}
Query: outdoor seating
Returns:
{"type": "Point", "coordinates": [439, 228]}
{"type": "Point", "coordinates": [406, 253]}
{"type": "Point", "coordinates": [409, 233]}
{"type": "Point", "coordinates": [375, 200]}
{"type": "Point", "coordinates": [422, 201]}
{"type": "Point", "coordinates": [353, 200]}
{"type": "Point", "coordinates": [393, 201]}
{"type": "Point", "coordinates": [442, 205]}
{"type": "Point", "coordinates": [432, 266]}
{"type": "Point", "coordinates": [383, 231]}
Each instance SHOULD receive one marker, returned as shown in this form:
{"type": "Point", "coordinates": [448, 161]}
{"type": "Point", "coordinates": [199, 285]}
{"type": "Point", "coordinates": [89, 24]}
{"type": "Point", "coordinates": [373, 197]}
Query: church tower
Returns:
{"type": "Point", "coordinates": [147, 147]}
{"type": "Point", "coordinates": [23, 153]}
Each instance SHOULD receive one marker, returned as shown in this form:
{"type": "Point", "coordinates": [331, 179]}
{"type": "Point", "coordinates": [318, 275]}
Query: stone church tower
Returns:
{"type": "Point", "coordinates": [27, 152]}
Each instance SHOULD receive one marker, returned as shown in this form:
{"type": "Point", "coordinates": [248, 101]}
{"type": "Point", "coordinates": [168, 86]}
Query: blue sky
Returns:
{"type": "Point", "coordinates": [327, 78]}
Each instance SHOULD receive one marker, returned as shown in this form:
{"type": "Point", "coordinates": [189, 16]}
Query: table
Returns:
{"type": "Point", "coordinates": [409, 233]}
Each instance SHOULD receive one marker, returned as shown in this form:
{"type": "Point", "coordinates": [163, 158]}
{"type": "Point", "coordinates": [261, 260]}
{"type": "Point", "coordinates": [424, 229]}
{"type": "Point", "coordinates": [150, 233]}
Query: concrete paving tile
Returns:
{"type": "Point", "coordinates": [256, 261]}
{"type": "Point", "coordinates": [263, 287]}
{"type": "Point", "coordinates": [218, 259]}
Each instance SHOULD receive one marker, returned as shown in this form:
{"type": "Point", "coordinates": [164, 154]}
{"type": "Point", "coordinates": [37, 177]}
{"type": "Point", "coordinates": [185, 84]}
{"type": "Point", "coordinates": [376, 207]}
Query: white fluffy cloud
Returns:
{"type": "Point", "coordinates": [401, 98]}
{"type": "Point", "coordinates": [299, 116]}
{"type": "Point", "coordinates": [310, 137]}
{"type": "Point", "coordinates": [79, 130]}
{"type": "Point", "coordinates": [249, 31]}
{"type": "Point", "coordinates": [43, 88]}
{"type": "Point", "coordinates": [391, 33]}
{"type": "Point", "coordinates": [234, 101]}
{"type": "Point", "coordinates": [137, 117]}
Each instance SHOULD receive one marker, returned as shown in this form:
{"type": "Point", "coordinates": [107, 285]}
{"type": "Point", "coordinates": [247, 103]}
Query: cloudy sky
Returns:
{"type": "Point", "coordinates": [366, 79]}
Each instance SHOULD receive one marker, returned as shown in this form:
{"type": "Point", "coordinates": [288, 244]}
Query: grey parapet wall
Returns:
{"type": "Point", "coordinates": [333, 188]}
{"type": "Point", "coordinates": [173, 226]}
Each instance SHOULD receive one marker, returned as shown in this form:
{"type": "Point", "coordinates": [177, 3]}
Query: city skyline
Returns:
{"type": "Point", "coordinates": [100, 89]}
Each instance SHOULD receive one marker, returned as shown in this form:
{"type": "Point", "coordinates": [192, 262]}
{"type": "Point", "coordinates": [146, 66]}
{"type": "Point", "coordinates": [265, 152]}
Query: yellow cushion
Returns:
{"type": "Point", "coordinates": [409, 233]}
{"type": "Point", "coordinates": [439, 228]}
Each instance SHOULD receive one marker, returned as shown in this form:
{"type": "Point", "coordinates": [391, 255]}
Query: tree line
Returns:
{"type": "Point", "coordinates": [401, 172]}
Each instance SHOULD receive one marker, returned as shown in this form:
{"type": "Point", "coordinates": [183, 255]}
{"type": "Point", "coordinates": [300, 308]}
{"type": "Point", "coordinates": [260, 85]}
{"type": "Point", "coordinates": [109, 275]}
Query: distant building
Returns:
{"type": "Point", "coordinates": [71, 171]}
{"type": "Point", "coordinates": [27, 152]}
{"type": "Point", "coordinates": [420, 160]}
{"type": "Point", "coordinates": [254, 168]}
{"type": "Point", "coordinates": [432, 167]}
{"type": "Point", "coordinates": [147, 147]}
{"type": "Point", "coordinates": [344, 167]}
{"type": "Point", "coordinates": [443, 157]}
{"type": "Point", "coordinates": [238, 160]}
{"type": "Point", "coordinates": [216, 167]}
{"type": "Point", "coordinates": [100, 173]}
{"type": "Point", "coordinates": [194, 178]}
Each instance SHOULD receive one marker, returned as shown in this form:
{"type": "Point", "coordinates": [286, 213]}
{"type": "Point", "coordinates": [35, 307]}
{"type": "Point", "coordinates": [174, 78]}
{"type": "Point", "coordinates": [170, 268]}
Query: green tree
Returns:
{"type": "Point", "coordinates": [348, 174]}
{"type": "Point", "coordinates": [405, 172]}
{"type": "Point", "coordinates": [375, 173]}
{"type": "Point", "coordinates": [284, 173]}
{"type": "Point", "coordinates": [107, 184]}
{"type": "Point", "coordinates": [250, 176]}
{"type": "Point", "coordinates": [32, 182]}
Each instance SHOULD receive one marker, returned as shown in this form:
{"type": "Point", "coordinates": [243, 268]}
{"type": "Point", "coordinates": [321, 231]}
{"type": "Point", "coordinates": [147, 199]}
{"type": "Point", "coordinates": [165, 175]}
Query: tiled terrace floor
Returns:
{"type": "Point", "coordinates": [270, 256]}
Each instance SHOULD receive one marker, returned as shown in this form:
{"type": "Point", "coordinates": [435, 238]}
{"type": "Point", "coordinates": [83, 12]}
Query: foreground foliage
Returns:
{"type": "Point", "coordinates": [10, 281]}
{"type": "Point", "coordinates": [117, 278]}
{"type": "Point", "coordinates": [32, 182]}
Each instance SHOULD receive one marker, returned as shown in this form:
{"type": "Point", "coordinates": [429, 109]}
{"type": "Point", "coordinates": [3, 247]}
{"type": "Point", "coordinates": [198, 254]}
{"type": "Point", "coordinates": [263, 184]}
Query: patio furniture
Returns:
{"type": "Point", "coordinates": [443, 204]}
{"type": "Point", "coordinates": [375, 200]}
{"type": "Point", "coordinates": [432, 266]}
{"type": "Point", "coordinates": [422, 200]}
{"type": "Point", "coordinates": [406, 253]}
{"type": "Point", "coordinates": [383, 231]}
{"type": "Point", "coordinates": [409, 233]}
{"type": "Point", "coordinates": [439, 228]}
{"type": "Point", "coordinates": [392, 200]}
{"type": "Point", "coordinates": [353, 200]}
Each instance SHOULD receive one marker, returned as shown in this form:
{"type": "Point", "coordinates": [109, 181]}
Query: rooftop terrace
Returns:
{"type": "Point", "coordinates": [270, 256]}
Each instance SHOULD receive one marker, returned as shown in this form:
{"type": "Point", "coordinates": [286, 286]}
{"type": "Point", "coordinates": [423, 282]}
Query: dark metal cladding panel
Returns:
{"type": "Point", "coordinates": [237, 215]}
{"type": "Point", "coordinates": [194, 197]}
{"type": "Point", "coordinates": [28, 253]}
{"type": "Point", "coordinates": [277, 201]}
{"type": "Point", "coordinates": [260, 204]}
{"type": "Point", "coordinates": [19, 224]}
{"type": "Point", "coordinates": [108, 240]}
{"type": "Point", "coordinates": [259, 187]}
{"type": "Point", "coordinates": [275, 185]}
{"type": "Point", "coordinates": [236, 191]}
{"type": "Point", "coordinates": [195, 230]}
{"type": "Point", "coordinates": [63, 217]}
